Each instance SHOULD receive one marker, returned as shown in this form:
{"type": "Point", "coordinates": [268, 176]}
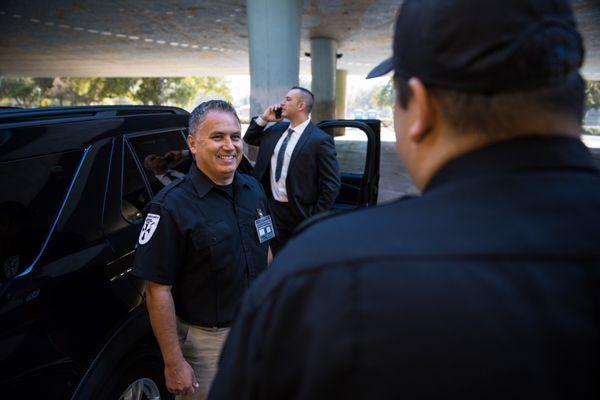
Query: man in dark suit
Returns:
{"type": "Point", "coordinates": [296, 162]}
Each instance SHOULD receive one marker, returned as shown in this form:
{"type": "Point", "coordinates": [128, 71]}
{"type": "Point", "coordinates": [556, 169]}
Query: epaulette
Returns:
{"type": "Point", "coordinates": [159, 197]}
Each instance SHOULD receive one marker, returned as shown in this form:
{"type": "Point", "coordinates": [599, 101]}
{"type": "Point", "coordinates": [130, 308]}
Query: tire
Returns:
{"type": "Point", "coordinates": [139, 376]}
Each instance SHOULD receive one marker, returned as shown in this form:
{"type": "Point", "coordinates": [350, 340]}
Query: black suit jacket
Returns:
{"type": "Point", "coordinates": [313, 179]}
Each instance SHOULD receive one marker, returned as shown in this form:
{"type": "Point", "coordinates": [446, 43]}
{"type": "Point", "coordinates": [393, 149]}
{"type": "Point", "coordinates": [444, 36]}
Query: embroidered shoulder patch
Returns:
{"type": "Point", "coordinates": [149, 227]}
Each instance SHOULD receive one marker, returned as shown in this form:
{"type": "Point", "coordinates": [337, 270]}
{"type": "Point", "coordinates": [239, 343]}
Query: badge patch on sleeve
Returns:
{"type": "Point", "coordinates": [149, 227]}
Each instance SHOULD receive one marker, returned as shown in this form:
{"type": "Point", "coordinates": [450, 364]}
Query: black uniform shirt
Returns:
{"type": "Point", "coordinates": [485, 287]}
{"type": "Point", "coordinates": [202, 241]}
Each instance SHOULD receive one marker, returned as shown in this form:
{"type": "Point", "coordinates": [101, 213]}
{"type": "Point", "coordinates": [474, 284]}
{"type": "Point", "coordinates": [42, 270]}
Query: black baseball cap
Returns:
{"type": "Point", "coordinates": [485, 45]}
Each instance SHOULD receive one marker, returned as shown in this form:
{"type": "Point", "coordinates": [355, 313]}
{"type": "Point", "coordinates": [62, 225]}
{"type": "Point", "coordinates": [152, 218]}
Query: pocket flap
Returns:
{"type": "Point", "coordinates": [209, 235]}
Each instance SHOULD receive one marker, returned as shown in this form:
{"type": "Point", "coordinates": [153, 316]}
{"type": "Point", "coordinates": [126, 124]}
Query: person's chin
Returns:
{"type": "Point", "coordinates": [229, 169]}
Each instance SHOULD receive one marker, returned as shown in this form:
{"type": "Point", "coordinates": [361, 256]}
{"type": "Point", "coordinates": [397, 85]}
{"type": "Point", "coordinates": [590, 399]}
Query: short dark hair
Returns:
{"type": "Point", "coordinates": [198, 116]}
{"type": "Point", "coordinates": [501, 113]}
{"type": "Point", "coordinates": [307, 96]}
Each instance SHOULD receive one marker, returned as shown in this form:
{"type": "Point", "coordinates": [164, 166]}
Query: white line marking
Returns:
{"type": "Point", "coordinates": [92, 31]}
{"type": "Point", "coordinates": [49, 23]}
{"type": "Point", "coordinates": [174, 44]}
{"type": "Point", "coordinates": [64, 26]}
{"type": "Point", "coordinates": [205, 48]}
{"type": "Point", "coordinates": [194, 46]}
{"type": "Point", "coordinates": [35, 20]}
{"type": "Point", "coordinates": [161, 42]}
{"type": "Point", "coordinates": [148, 40]}
{"type": "Point", "coordinates": [78, 28]}
{"type": "Point", "coordinates": [106, 33]}
{"type": "Point", "coordinates": [121, 35]}
{"type": "Point", "coordinates": [2, 12]}
{"type": "Point", "coordinates": [133, 37]}
{"type": "Point", "coordinates": [17, 16]}
{"type": "Point", "coordinates": [184, 45]}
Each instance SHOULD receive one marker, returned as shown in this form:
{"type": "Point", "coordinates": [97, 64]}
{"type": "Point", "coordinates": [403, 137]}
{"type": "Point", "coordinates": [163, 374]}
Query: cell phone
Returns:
{"type": "Point", "coordinates": [278, 112]}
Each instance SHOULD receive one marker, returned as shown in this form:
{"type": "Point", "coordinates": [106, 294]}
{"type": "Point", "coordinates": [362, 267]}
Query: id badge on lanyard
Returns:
{"type": "Point", "coordinates": [264, 226]}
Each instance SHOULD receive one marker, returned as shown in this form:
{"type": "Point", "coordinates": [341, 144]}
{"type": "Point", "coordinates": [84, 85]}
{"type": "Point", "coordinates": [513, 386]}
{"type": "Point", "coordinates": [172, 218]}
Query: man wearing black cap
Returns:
{"type": "Point", "coordinates": [485, 287]}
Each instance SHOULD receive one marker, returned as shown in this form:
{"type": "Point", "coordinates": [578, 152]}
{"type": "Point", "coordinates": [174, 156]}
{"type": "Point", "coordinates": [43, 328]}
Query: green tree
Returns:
{"type": "Point", "coordinates": [196, 88]}
{"type": "Point", "coordinates": [64, 91]}
{"type": "Point", "coordinates": [148, 91]}
{"type": "Point", "coordinates": [179, 91]}
{"type": "Point", "coordinates": [383, 96]}
{"type": "Point", "coordinates": [24, 92]}
{"type": "Point", "coordinates": [85, 91]}
{"type": "Point", "coordinates": [592, 94]}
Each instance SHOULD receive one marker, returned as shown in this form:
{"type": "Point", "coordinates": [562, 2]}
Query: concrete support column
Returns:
{"type": "Point", "coordinates": [323, 54]}
{"type": "Point", "coordinates": [340, 93]}
{"type": "Point", "coordinates": [274, 47]}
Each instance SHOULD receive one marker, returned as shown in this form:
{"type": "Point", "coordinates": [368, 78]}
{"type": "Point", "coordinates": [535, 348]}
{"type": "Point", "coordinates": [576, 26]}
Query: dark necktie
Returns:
{"type": "Point", "coordinates": [281, 154]}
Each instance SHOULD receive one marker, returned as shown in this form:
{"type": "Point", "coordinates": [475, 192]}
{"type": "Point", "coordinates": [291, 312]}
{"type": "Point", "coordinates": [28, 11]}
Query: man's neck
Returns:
{"type": "Point", "coordinates": [294, 122]}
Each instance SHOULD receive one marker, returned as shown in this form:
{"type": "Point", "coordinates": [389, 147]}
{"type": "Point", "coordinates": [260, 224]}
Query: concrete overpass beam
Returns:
{"type": "Point", "coordinates": [323, 54]}
{"type": "Point", "coordinates": [274, 47]}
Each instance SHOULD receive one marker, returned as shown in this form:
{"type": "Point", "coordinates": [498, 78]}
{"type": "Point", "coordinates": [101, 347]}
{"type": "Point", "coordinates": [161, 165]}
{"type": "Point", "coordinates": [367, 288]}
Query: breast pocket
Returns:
{"type": "Point", "coordinates": [216, 240]}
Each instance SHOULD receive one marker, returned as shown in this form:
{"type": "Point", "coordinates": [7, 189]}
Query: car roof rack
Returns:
{"type": "Point", "coordinates": [48, 113]}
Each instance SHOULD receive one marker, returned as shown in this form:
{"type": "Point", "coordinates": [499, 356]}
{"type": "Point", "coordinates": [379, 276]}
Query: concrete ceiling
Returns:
{"type": "Point", "coordinates": [197, 38]}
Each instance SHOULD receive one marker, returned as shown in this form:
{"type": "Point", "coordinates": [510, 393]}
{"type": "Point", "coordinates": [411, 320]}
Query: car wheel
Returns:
{"type": "Point", "coordinates": [140, 376]}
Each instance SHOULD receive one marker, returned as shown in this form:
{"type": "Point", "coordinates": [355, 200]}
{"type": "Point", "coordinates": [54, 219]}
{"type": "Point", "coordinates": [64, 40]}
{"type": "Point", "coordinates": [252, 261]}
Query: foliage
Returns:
{"type": "Point", "coordinates": [24, 91]}
{"type": "Point", "coordinates": [383, 96]}
{"type": "Point", "coordinates": [379, 96]}
{"type": "Point", "coordinates": [592, 94]}
{"type": "Point", "coordinates": [33, 92]}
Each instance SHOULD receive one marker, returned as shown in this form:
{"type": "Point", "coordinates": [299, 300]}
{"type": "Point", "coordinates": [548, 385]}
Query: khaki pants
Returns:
{"type": "Point", "coordinates": [201, 348]}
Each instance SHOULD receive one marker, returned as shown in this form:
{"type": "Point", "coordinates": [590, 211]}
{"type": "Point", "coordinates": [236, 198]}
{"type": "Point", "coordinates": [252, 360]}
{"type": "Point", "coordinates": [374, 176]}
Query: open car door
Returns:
{"type": "Point", "coordinates": [357, 143]}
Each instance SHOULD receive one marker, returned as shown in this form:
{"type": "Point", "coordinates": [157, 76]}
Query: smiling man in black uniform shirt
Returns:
{"type": "Point", "coordinates": [199, 250]}
{"type": "Point", "coordinates": [485, 287]}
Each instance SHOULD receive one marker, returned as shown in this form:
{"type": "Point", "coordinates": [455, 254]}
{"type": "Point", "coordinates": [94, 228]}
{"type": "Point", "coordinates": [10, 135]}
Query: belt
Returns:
{"type": "Point", "coordinates": [214, 327]}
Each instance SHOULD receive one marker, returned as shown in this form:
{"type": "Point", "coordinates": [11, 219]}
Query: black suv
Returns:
{"type": "Point", "coordinates": [73, 186]}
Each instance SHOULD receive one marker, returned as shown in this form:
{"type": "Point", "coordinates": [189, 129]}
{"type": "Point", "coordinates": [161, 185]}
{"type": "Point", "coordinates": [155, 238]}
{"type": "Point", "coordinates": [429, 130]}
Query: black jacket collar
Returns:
{"type": "Point", "coordinates": [519, 154]}
{"type": "Point", "coordinates": [203, 184]}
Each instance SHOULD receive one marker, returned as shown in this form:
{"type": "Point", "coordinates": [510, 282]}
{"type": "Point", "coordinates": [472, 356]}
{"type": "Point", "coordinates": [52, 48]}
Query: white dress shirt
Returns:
{"type": "Point", "coordinates": [278, 188]}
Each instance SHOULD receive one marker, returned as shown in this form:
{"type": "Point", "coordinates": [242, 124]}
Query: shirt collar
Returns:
{"type": "Point", "coordinates": [301, 127]}
{"type": "Point", "coordinates": [203, 184]}
{"type": "Point", "coordinates": [519, 154]}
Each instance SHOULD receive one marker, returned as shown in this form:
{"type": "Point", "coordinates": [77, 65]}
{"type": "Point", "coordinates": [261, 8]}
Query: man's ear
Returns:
{"type": "Point", "coordinates": [192, 143]}
{"type": "Point", "coordinates": [421, 111]}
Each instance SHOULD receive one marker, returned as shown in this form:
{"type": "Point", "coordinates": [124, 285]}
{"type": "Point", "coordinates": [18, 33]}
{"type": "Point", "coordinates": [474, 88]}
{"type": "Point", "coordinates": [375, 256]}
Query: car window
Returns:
{"type": "Point", "coordinates": [164, 157]}
{"type": "Point", "coordinates": [134, 194]}
{"type": "Point", "coordinates": [351, 148]}
{"type": "Point", "coordinates": [33, 192]}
